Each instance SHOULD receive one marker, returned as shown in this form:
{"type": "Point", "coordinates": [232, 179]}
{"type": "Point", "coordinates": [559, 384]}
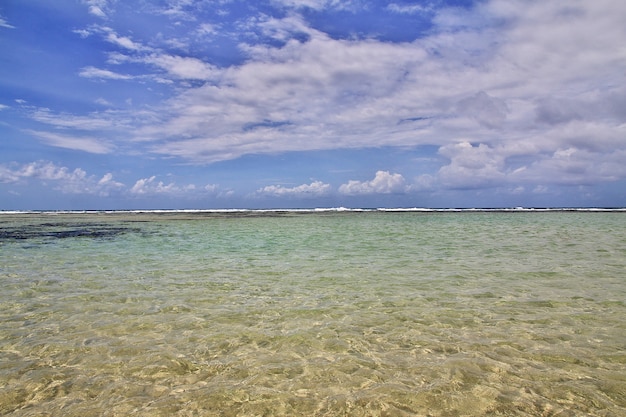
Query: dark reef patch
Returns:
{"type": "Point", "coordinates": [53, 231]}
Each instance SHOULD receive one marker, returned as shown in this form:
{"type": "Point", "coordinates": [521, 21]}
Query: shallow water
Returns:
{"type": "Point", "coordinates": [320, 314]}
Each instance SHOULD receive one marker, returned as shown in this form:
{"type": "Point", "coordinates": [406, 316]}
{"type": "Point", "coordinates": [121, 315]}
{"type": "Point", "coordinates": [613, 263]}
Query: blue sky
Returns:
{"type": "Point", "coordinates": [111, 104]}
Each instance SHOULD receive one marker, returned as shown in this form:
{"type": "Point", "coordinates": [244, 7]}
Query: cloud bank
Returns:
{"type": "Point", "coordinates": [495, 82]}
{"type": "Point", "coordinates": [518, 94]}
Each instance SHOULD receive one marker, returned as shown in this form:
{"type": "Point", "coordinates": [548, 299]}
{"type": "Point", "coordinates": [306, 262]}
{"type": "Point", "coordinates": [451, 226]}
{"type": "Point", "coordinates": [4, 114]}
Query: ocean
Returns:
{"type": "Point", "coordinates": [313, 313]}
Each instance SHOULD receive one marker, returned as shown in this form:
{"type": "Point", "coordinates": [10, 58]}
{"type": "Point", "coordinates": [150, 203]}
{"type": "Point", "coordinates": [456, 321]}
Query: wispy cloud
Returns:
{"type": "Point", "coordinates": [321, 4]}
{"type": "Point", "coordinates": [96, 121]}
{"type": "Point", "coordinates": [5, 24]}
{"type": "Point", "coordinates": [79, 143]}
{"type": "Point", "coordinates": [182, 67]}
{"type": "Point", "coordinates": [175, 66]}
{"type": "Point", "coordinates": [93, 72]}
{"type": "Point", "coordinates": [98, 131]}
{"type": "Point", "coordinates": [123, 41]}
{"type": "Point", "coordinates": [411, 8]}
{"type": "Point", "coordinates": [98, 8]}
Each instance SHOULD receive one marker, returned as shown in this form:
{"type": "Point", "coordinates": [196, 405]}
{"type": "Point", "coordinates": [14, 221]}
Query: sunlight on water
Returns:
{"type": "Point", "coordinates": [321, 314]}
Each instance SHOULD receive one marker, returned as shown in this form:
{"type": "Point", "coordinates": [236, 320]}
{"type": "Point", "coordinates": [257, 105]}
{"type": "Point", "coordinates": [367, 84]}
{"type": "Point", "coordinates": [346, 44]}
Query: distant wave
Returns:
{"type": "Point", "coordinates": [327, 209]}
{"type": "Point", "coordinates": [505, 209]}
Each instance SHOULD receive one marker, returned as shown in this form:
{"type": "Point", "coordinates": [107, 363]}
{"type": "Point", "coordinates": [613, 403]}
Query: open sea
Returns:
{"type": "Point", "coordinates": [313, 313]}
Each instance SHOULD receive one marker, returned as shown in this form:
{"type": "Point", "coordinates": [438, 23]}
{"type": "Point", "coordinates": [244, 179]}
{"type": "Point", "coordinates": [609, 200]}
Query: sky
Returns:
{"type": "Point", "coordinates": [209, 104]}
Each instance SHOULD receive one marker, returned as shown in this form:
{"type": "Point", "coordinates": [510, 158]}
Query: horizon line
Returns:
{"type": "Point", "coordinates": [321, 210]}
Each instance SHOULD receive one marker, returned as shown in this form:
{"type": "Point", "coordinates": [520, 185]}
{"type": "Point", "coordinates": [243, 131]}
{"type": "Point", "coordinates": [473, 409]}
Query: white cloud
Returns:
{"type": "Point", "coordinates": [481, 165]}
{"type": "Point", "coordinates": [96, 11]}
{"type": "Point", "coordinates": [149, 186]}
{"type": "Point", "coordinates": [112, 37]}
{"type": "Point", "coordinates": [282, 28]}
{"type": "Point", "coordinates": [383, 183]}
{"type": "Point", "coordinates": [8, 175]}
{"type": "Point", "coordinates": [83, 33]}
{"type": "Point", "coordinates": [312, 4]}
{"type": "Point", "coordinates": [103, 102]}
{"type": "Point", "coordinates": [207, 29]}
{"type": "Point", "coordinates": [65, 180]}
{"type": "Point", "coordinates": [108, 179]}
{"type": "Point", "coordinates": [315, 189]}
{"type": "Point", "coordinates": [78, 181]}
{"type": "Point", "coordinates": [123, 41]}
{"type": "Point", "coordinates": [48, 171]}
{"type": "Point", "coordinates": [184, 9]}
{"type": "Point", "coordinates": [141, 186]}
{"type": "Point", "coordinates": [574, 166]}
{"type": "Point", "coordinates": [117, 58]}
{"type": "Point", "coordinates": [211, 188]}
{"type": "Point", "coordinates": [471, 166]}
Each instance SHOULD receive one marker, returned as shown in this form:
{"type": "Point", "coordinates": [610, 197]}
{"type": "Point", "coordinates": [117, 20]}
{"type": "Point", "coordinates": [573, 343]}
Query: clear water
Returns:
{"type": "Point", "coordinates": [318, 314]}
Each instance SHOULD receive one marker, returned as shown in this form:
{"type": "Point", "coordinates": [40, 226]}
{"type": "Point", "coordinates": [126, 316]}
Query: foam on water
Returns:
{"type": "Point", "coordinates": [313, 313]}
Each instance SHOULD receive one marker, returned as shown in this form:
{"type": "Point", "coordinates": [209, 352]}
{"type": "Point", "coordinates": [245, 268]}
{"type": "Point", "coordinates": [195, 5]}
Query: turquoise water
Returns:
{"type": "Point", "coordinates": [318, 314]}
